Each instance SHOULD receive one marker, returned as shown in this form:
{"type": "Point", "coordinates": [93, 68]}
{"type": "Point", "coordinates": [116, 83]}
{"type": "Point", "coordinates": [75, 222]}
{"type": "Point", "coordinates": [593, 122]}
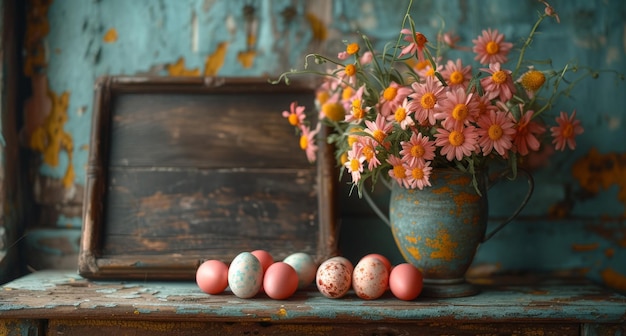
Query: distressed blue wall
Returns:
{"type": "Point", "coordinates": [565, 226]}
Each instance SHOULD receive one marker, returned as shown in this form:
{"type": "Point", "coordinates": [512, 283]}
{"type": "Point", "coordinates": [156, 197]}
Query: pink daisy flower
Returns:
{"type": "Point", "coordinates": [457, 143]}
{"type": "Point", "coordinates": [456, 75]}
{"type": "Point", "coordinates": [356, 108]}
{"type": "Point", "coordinates": [398, 171]}
{"type": "Point", "coordinates": [484, 105]}
{"type": "Point", "coordinates": [296, 114]}
{"type": "Point", "coordinates": [402, 115]}
{"type": "Point", "coordinates": [458, 109]}
{"type": "Point", "coordinates": [491, 48]}
{"type": "Point", "coordinates": [378, 129]}
{"type": "Point", "coordinates": [418, 149]}
{"type": "Point", "coordinates": [307, 142]}
{"type": "Point", "coordinates": [495, 131]}
{"type": "Point", "coordinates": [354, 165]}
{"type": "Point", "coordinates": [418, 175]}
{"type": "Point", "coordinates": [566, 131]}
{"type": "Point", "coordinates": [391, 97]}
{"type": "Point", "coordinates": [425, 99]}
{"type": "Point", "coordinates": [429, 71]}
{"type": "Point", "coordinates": [368, 148]}
{"type": "Point", "coordinates": [499, 84]}
{"type": "Point", "coordinates": [526, 137]}
{"type": "Point", "coordinates": [416, 44]}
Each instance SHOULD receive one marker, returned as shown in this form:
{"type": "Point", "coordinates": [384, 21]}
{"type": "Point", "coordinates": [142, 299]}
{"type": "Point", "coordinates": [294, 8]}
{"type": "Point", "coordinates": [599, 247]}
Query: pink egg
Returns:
{"type": "Point", "coordinates": [280, 281]}
{"type": "Point", "coordinates": [370, 278]}
{"type": "Point", "coordinates": [406, 282]}
{"type": "Point", "coordinates": [264, 257]}
{"type": "Point", "coordinates": [212, 276]}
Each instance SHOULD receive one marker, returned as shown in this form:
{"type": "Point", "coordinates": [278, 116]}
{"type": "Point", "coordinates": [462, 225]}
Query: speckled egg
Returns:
{"type": "Point", "coordinates": [334, 277]}
{"type": "Point", "coordinates": [370, 278]}
{"type": "Point", "coordinates": [245, 275]}
{"type": "Point", "coordinates": [304, 265]}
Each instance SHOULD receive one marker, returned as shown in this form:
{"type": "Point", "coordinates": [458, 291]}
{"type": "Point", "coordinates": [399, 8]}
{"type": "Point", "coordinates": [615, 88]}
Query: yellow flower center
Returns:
{"type": "Point", "coordinates": [358, 112]}
{"type": "Point", "coordinates": [533, 80]}
{"type": "Point", "coordinates": [456, 78]}
{"type": "Point", "coordinates": [399, 171]}
{"type": "Point", "coordinates": [368, 152]}
{"type": "Point", "coordinates": [379, 136]}
{"type": "Point", "coordinates": [456, 138]}
{"type": "Point", "coordinates": [421, 65]}
{"type": "Point", "coordinates": [430, 72]}
{"type": "Point", "coordinates": [390, 93]}
{"type": "Point", "coordinates": [353, 138]}
{"type": "Point", "coordinates": [354, 165]}
{"type": "Point", "coordinates": [499, 77]}
{"type": "Point", "coordinates": [304, 142]}
{"type": "Point", "coordinates": [350, 70]}
{"type": "Point", "coordinates": [333, 111]}
{"type": "Point", "coordinates": [492, 48]}
{"type": "Point", "coordinates": [347, 93]}
{"type": "Point", "coordinates": [417, 173]}
{"type": "Point", "coordinates": [428, 100]}
{"type": "Point", "coordinates": [322, 97]}
{"type": "Point", "coordinates": [400, 114]}
{"type": "Point", "coordinates": [568, 131]}
{"type": "Point", "coordinates": [495, 132]}
{"type": "Point", "coordinates": [417, 151]}
{"type": "Point", "coordinates": [293, 119]}
{"type": "Point", "coordinates": [352, 48]}
{"type": "Point", "coordinates": [460, 112]}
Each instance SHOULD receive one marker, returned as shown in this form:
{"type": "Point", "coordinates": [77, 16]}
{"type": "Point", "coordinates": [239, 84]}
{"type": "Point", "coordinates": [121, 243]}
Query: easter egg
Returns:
{"type": "Point", "coordinates": [370, 278]}
{"type": "Point", "coordinates": [245, 275]}
{"type": "Point", "coordinates": [334, 277]}
{"type": "Point", "coordinates": [406, 282]}
{"type": "Point", "coordinates": [304, 265]}
{"type": "Point", "coordinates": [212, 276]}
{"type": "Point", "coordinates": [280, 281]}
{"type": "Point", "coordinates": [264, 257]}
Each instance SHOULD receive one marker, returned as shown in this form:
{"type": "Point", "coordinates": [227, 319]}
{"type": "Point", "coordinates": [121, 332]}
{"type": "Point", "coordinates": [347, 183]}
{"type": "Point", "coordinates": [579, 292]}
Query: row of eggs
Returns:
{"type": "Point", "coordinates": [252, 272]}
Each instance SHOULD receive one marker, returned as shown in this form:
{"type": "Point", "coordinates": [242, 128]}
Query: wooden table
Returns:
{"type": "Point", "coordinates": [63, 303]}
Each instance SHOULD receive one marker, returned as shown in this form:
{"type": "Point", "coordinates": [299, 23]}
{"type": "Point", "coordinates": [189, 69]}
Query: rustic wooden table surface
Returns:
{"type": "Point", "coordinates": [63, 303]}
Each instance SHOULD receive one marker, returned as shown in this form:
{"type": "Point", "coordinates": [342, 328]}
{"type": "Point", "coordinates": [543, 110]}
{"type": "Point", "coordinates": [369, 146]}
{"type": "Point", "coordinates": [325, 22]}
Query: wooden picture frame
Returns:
{"type": "Point", "coordinates": [183, 170]}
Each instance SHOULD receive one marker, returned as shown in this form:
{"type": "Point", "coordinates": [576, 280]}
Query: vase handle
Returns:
{"type": "Point", "coordinates": [531, 187]}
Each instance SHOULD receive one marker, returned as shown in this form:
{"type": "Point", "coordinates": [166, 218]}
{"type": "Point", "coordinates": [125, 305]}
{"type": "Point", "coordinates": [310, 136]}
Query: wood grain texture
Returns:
{"type": "Point", "coordinates": [193, 169]}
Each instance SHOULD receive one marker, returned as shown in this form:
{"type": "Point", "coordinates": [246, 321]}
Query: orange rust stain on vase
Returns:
{"type": "Point", "coordinates": [443, 245]}
{"type": "Point", "coordinates": [412, 240]}
{"type": "Point", "coordinates": [178, 69]}
{"type": "Point", "coordinates": [442, 190]}
{"type": "Point", "coordinates": [596, 171]}
{"type": "Point", "coordinates": [464, 199]}
{"type": "Point", "coordinates": [414, 252]}
{"type": "Point", "coordinates": [110, 36]}
{"type": "Point", "coordinates": [614, 279]}
{"type": "Point", "coordinates": [585, 247]}
{"type": "Point", "coordinates": [214, 62]}
{"type": "Point", "coordinates": [609, 253]}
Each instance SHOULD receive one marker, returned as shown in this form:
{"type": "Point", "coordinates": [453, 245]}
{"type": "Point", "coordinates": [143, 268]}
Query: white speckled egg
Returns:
{"type": "Point", "coordinates": [334, 277]}
{"type": "Point", "coordinates": [304, 265]}
{"type": "Point", "coordinates": [245, 275]}
{"type": "Point", "coordinates": [370, 278]}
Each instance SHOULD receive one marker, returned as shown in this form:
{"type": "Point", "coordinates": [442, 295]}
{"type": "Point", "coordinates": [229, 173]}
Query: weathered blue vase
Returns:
{"type": "Point", "coordinates": [438, 229]}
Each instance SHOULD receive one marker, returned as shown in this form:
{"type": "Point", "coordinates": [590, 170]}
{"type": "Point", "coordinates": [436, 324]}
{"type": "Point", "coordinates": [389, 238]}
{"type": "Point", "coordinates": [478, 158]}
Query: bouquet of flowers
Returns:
{"type": "Point", "coordinates": [401, 112]}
